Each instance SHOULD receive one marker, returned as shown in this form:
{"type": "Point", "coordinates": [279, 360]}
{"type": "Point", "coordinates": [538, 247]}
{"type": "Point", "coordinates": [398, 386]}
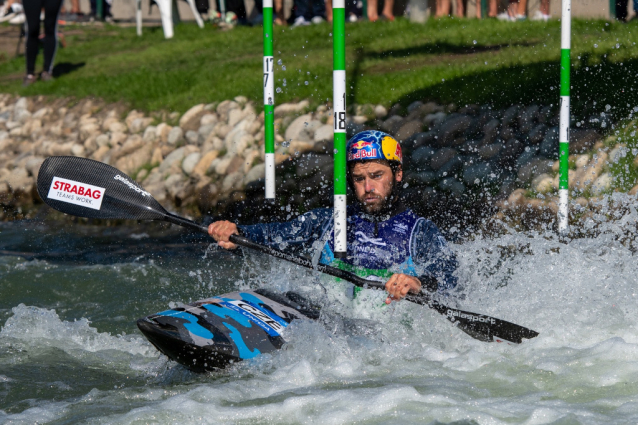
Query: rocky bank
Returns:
{"type": "Point", "coordinates": [462, 163]}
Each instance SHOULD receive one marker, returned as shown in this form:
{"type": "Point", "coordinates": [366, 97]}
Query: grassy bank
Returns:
{"type": "Point", "coordinates": [448, 60]}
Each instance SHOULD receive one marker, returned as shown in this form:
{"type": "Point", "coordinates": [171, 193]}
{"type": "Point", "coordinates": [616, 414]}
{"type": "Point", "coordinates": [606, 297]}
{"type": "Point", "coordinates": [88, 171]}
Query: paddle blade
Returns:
{"type": "Point", "coordinates": [488, 328]}
{"type": "Point", "coordinates": [85, 188]}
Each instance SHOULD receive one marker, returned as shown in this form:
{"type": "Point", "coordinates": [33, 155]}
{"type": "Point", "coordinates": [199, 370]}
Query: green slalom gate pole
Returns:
{"type": "Point", "coordinates": [339, 106]}
{"type": "Point", "coordinates": [269, 101]}
{"type": "Point", "coordinates": [563, 148]}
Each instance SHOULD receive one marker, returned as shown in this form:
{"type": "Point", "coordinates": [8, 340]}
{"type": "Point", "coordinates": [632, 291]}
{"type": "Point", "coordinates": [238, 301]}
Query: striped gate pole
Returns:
{"type": "Point", "coordinates": [339, 106]}
{"type": "Point", "coordinates": [269, 102]}
{"type": "Point", "coordinates": [563, 149]}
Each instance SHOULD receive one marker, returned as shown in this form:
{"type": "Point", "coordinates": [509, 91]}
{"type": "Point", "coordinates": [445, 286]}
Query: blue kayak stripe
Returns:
{"type": "Point", "coordinates": [192, 326]}
{"type": "Point", "coordinates": [244, 351]}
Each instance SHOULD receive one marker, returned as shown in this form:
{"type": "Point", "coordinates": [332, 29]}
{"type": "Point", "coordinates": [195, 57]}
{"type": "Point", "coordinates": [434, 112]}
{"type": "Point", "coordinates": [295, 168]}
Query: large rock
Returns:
{"type": "Point", "coordinates": [602, 184]}
{"type": "Point", "coordinates": [189, 163]}
{"type": "Point", "coordinates": [190, 119]}
{"type": "Point", "coordinates": [419, 139]}
{"type": "Point", "coordinates": [233, 181]}
{"type": "Point", "coordinates": [490, 151]}
{"type": "Point", "coordinates": [511, 152]}
{"type": "Point", "coordinates": [510, 115]}
{"type": "Point", "coordinates": [32, 165]}
{"type": "Point", "coordinates": [297, 126]}
{"type": "Point", "coordinates": [537, 134]}
{"type": "Point", "coordinates": [549, 146]}
{"type": "Point", "coordinates": [311, 163]}
{"type": "Point", "coordinates": [204, 163]}
{"type": "Point", "coordinates": [175, 136]}
{"type": "Point", "coordinates": [150, 134]}
{"type": "Point", "coordinates": [421, 157]}
{"type": "Point", "coordinates": [479, 174]}
{"type": "Point", "coordinates": [534, 168]}
{"type": "Point", "coordinates": [527, 118]}
{"type": "Point", "coordinates": [192, 137]}
{"type": "Point", "coordinates": [290, 108]}
{"type": "Point", "coordinates": [433, 120]}
{"type": "Point", "coordinates": [582, 140]}
{"type": "Point", "coordinates": [255, 173]}
{"type": "Point", "coordinates": [408, 129]}
{"type": "Point", "coordinates": [19, 181]}
{"type": "Point", "coordinates": [452, 130]}
{"type": "Point", "coordinates": [441, 157]}
{"type": "Point", "coordinates": [134, 161]}
{"type": "Point", "coordinates": [422, 178]}
{"type": "Point", "coordinates": [174, 158]}
{"type": "Point", "coordinates": [162, 131]}
{"type": "Point", "coordinates": [451, 168]}
{"type": "Point", "coordinates": [587, 175]}
{"type": "Point", "coordinates": [132, 143]}
{"type": "Point", "coordinates": [324, 133]}
{"type": "Point", "coordinates": [392, 124]}
{"type": "Point", "coordinates": [452, 185]}
{"type": "Point", "coordinates": [491, 131]}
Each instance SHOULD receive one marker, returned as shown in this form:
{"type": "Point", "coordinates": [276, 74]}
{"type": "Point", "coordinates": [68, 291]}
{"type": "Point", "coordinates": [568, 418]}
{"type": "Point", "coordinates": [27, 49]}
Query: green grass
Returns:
{"type": "Point", "coordinates": [447, 60]}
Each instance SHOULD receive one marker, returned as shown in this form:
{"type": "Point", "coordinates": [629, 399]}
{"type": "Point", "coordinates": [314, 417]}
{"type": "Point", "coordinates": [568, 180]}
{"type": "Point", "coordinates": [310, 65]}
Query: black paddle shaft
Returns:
{"type": "Point", "coordinates": [85, 188]}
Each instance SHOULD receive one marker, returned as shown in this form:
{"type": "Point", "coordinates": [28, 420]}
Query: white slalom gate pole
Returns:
{"type": "Point", "coordinates": [269, 101]}
{"type": "Point", "coordinates": [565, 64]}
{"type": "Point", "coordinates": [138, 16]}
{"type": "Point", "coordinates": [339, 106]}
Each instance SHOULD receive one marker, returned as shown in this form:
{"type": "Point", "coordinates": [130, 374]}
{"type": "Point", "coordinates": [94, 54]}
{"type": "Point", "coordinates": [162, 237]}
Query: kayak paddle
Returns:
{"type": "Point", "coordinates": [85, 188]}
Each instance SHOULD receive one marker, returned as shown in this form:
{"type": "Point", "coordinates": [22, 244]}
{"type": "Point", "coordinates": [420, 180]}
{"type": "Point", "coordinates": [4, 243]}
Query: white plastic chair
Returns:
{"type": "Point", "coordinates": [166, 14]}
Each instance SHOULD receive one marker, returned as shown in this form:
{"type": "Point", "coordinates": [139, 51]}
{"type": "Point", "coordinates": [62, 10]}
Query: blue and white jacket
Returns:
{"type": "Point", "coordinates": [400, 243]}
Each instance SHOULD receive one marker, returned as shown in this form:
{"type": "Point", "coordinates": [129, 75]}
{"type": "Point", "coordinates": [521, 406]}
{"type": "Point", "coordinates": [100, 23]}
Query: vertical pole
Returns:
{"type": "Point", "coordinates": [484, 11]}
{"type": "Point", "coordinates": [339, 106]}
{"type": "Point", "coordinates": [99, 7]}
{"type": "Point", "coordinates": [222, 9]}
{"type": "Point", "coordinates": [612, 9]}
{"type": "Point", "coordinates": [565, 63]}
{"type": "Point", "coordinates": [269, 102]}
{"type": "Point", "coordinates": [138, 16]}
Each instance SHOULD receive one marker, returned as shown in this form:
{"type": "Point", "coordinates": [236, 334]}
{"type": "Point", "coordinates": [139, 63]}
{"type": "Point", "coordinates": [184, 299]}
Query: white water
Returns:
{"type": "Point", "coordinates": [404, 364]}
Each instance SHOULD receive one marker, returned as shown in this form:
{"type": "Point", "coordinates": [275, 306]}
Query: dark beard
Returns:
{"type": "Point", "coordinates": [391, 205]}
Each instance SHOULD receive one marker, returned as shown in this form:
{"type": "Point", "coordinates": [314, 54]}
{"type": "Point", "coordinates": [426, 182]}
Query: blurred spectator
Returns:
{"type": "Point", "coordinates": [32, 10]}
{"type": "Point", "coordinates": [621, 10]}
{"type": "Point", "coordinates": [543, 13]}
{"type": "Point", "coordinates": [373, 13]}
{"type": "Point", "coordinates": [12, 12]}
{"type": "Point", "coordinates": [517, 10]}
{"type": "Point", "coordinates": [307, 11]}
{"type": "Point", "coordinates": [443, 8]}
{"type": "Point", "coordinates": [75, 14]}
{"type": "Point", "coordinates": [280, 18]}
{"type": "Point", "coordinates": [106, 10]}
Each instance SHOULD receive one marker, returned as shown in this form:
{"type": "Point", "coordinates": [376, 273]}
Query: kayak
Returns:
{"type": "Point", "coordinates": [213, 333]}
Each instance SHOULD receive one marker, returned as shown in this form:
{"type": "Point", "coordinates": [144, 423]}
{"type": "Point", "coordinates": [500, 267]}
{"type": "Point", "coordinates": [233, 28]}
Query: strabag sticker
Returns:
{"type": "Point", "coordinates": [78, 193]}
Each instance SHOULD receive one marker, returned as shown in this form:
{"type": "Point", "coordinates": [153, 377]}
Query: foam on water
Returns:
{"type": "Point", "coordinates": [399, 364]}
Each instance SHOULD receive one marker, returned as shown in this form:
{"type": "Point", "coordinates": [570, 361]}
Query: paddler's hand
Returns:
{"type": "Point", "coordinates": [221, 231]}
{"type": "Point", "coordinates": [399, 285]}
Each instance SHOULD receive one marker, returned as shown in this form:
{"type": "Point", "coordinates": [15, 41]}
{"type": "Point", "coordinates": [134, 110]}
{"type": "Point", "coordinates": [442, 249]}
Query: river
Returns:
{"type": "Point", "coordinates": [70, 351]}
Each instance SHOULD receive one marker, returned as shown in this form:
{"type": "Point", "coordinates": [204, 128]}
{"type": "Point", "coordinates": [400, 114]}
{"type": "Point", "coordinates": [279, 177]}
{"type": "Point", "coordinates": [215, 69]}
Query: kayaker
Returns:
{"type": "Point", "coordinates": [385, 238]}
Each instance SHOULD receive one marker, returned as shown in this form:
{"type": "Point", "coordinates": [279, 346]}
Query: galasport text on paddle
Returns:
{"type": "Point", "coordinates": [85, 188]}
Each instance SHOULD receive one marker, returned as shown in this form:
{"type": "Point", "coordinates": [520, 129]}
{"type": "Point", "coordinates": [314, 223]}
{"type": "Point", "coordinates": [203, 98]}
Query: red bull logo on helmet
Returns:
{"type": "Point", "coordinates": [364, 150]}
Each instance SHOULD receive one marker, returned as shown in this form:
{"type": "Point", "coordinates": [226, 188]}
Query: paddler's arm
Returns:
{"type": "Point", "coordinates": [302, 231]}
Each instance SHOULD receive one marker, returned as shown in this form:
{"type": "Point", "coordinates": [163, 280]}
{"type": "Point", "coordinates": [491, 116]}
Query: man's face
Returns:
{"type": "Point", "coordinates": [373, 182]}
